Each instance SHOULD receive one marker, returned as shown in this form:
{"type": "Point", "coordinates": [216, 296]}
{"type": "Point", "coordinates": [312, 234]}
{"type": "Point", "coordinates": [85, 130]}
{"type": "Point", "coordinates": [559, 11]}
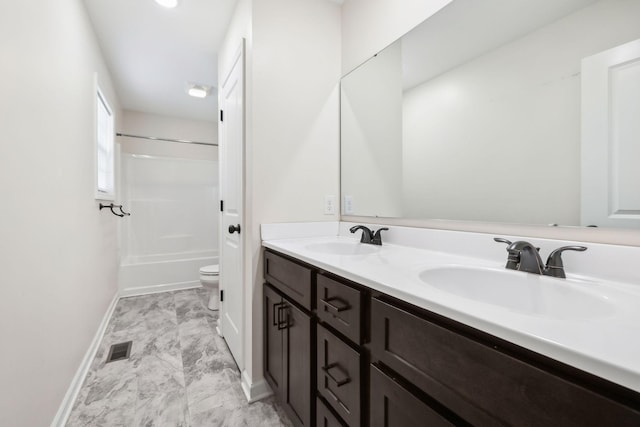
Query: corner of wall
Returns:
{"type": "Point", "coordinates": [66, 406]}
{"type": "Point", "coordinates": [255, 389]}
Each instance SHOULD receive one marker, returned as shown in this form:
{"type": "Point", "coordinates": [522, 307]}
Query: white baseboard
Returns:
{"type": "Point", "coordinates": [167, 287]}
{"type": "Point", "coordinates": [74, 388]}
{"type": "Point", "coordinates": [256, 390]}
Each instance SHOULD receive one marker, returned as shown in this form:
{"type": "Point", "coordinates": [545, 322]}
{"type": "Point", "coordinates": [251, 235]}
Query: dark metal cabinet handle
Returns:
{"type": "Point", "coordinates": [335, 366]}
{"type": "Point", "coordinates": [283, 324]}
{"type": "Point", "coordinates": [234, 228]}
{"type": "Point", "coordinates": [276, 317]}
{"type": "Point", "coordinates": [342, 307]}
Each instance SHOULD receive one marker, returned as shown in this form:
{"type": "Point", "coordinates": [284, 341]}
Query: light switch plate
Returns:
{"type": "Point", "coordinates": [329, 205]}
{"type": "Point", "coordinates": [348, 205]}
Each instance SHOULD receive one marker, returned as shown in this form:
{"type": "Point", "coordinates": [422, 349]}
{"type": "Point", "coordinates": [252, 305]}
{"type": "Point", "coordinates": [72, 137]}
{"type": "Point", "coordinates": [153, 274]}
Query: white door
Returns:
{"type": "Point", "coordinates": [231, 189]}
{"type": "Point", "coordinates": [611, 137]}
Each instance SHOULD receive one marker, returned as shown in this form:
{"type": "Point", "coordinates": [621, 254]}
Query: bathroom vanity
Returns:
{"type": "Point", "coordinates": [344, 346]}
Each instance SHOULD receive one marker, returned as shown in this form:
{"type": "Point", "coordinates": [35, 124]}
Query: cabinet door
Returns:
{"type": "Point", "coordinates": [394, 406]}
{"type": "Point", "coordinates": [273, 360]}
{"type": "Point", "coordinates": [297, 364]}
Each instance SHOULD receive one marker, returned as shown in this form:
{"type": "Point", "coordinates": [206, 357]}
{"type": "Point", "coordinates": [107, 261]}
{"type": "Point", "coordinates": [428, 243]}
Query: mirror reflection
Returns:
{"type": "Point", "coordinates": [478, 114]}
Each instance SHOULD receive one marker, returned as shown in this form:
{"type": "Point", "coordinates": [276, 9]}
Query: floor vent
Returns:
{"type": "Point", "coordinates": [119, 351]}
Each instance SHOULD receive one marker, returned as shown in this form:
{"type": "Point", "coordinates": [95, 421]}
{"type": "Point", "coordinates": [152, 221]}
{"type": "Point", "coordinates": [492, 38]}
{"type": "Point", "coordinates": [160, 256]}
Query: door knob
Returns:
{"type": "Point", "coordinates": [234, 228]}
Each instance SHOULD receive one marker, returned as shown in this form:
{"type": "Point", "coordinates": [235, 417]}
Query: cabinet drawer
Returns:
{"type": "Point", "coordinates": [324, 416]}
{"type": "Point", "coordinates": [394, 406]}
{"type": "Point", "coordinates": [289, 277]}
{"type": "Point", "coordinates": [339, 305]}
{"type": "Point", "coordinates": [339, 376]}
{"type": "Point", "coordinates": [482, 385]}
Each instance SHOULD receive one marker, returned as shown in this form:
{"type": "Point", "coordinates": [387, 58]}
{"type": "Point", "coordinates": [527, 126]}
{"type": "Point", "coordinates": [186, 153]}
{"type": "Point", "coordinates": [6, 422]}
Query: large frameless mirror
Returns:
{"type": "Point", "coordinates": [480, 114]}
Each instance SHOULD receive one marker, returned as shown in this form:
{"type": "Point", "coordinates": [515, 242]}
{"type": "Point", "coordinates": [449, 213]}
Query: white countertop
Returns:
{"type": "Point", "coordinates": [606, 345]}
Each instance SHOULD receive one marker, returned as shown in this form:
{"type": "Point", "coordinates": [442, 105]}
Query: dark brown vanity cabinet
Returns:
{"type": "Point", "coordinates": [341, 354]}
{"type": "Point", "coordinates": [473, 378]}
{"type": "Point", "coordinates": [313, 354]}
{"type": "Point", "coordinates": [288, 341]}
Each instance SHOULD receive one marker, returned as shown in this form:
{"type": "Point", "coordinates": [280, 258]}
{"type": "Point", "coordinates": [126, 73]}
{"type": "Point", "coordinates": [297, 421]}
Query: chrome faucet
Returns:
{"type": "Point", "coordinates": [523, 256]}
{"type": "Point", "coordinates": [369, 236]}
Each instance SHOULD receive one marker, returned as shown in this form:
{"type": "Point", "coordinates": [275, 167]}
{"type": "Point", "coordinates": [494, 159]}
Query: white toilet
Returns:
{"type": "Point", "coordinates": [209, 279]}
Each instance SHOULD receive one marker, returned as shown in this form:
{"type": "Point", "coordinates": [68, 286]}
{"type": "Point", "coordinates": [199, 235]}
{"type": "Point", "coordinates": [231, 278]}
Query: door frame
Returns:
{"type": "Point", "coordinates": [239, 57]}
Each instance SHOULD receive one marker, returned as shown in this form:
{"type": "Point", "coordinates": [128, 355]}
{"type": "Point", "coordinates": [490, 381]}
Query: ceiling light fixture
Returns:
{"type": "Point", "coordinates": [198, 90]}
{"type": "Point", "coordinates": [169, 4]}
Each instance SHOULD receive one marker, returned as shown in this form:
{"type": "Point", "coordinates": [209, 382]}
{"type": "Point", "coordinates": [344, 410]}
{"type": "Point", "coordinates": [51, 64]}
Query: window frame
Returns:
{"type": "Point", "coordinates": [101, 104]}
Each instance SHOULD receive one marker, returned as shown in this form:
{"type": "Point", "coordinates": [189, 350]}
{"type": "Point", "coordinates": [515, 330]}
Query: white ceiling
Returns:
{"type": "Point", "coordinates": [152, 52]}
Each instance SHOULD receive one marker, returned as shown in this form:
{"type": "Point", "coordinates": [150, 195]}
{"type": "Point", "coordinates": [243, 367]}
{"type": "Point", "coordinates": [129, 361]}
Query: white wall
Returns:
{"type": "Point", "coordinates": [371, 126]}
{"type": "Point", "coordinates": [143, 124]}
{"type": "Point", "coordinates": [368, 26]}
{"type": "Point", "coordinates": [57, 250]}
{"type": "Point", "coordinates": [295, 131]}
{"type": "Point", "coordinates": [240, 27]}
{"type": "Point", "coordinates": [292, 73]}
{"type": "Point", "coordinates": [517, 156]}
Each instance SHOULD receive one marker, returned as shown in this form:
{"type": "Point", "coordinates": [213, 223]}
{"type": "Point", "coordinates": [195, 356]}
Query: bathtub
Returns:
{"type": "Point", "coordinates": [160, 273]}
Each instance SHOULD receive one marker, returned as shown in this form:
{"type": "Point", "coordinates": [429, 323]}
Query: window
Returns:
{"type": "Point", "coordinates": [105, 170]}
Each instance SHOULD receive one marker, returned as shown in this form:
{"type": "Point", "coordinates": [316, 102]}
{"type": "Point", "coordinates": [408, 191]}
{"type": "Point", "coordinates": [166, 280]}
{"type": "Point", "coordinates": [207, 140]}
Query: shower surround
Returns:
{"type": "Point", "coordinates": [173, 227]}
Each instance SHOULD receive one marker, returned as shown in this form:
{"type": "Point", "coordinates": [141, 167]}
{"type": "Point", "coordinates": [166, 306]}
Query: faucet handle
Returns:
{"type": "Point", "coordinates": [513, 259]}
{"type": "Point", "coordinates": [377, 237]}
{"type": "Point", "coordinates": [555, 267]}
{"type": "Point", "coordinates": [501, 240]}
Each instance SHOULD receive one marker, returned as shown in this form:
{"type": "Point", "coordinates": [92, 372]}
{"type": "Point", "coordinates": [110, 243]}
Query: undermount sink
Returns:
{"type": "Point", "coordinates": [524, 293]}
{"type": "Point", "coordinates": [342, 248]}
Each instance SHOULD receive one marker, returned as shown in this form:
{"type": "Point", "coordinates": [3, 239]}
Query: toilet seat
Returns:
{"type": "Point", "coordinates": [210, 270]}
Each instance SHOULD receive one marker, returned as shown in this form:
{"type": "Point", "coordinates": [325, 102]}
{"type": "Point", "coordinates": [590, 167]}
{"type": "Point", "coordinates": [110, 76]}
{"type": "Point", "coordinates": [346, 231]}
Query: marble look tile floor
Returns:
{"type": "Point", "coordinates": [179, 373]}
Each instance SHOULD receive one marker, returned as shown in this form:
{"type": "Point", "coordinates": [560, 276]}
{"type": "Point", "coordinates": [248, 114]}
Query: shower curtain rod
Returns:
{"type": "Point", "coordinates": [154, 138]}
